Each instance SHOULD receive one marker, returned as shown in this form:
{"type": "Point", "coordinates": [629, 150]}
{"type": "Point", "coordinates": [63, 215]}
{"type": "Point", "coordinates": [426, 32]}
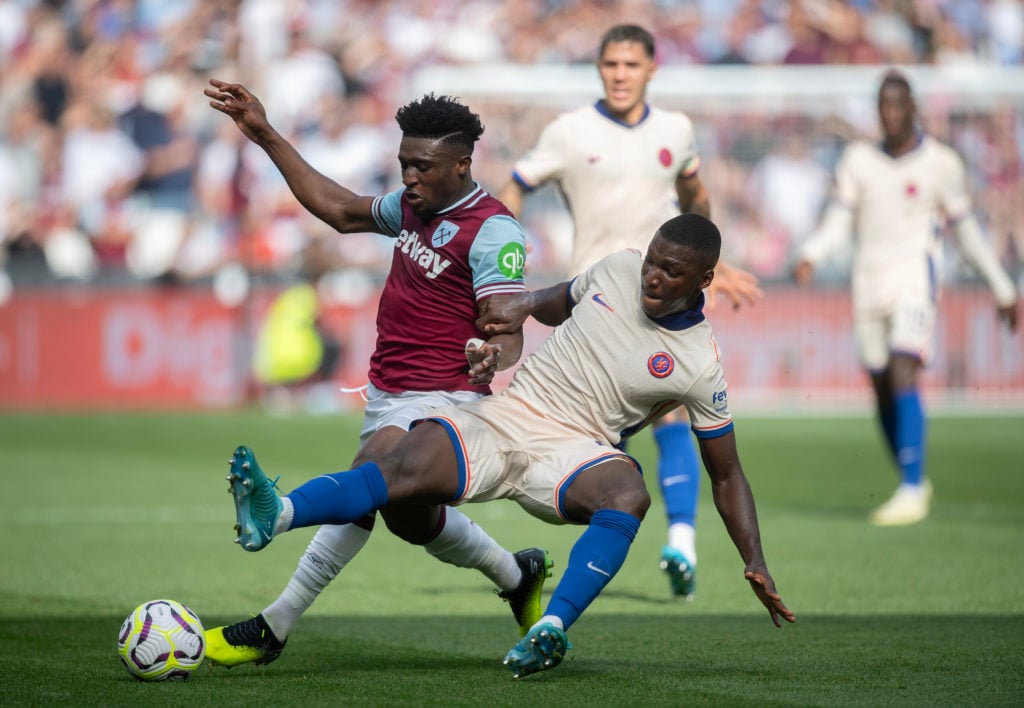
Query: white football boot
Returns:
{"type": "Point", "coordinates": [908, 505]}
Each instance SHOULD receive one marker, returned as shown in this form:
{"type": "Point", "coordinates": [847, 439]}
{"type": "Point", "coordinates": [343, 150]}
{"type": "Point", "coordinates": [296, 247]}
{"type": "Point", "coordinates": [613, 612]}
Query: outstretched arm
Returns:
{"type": "Point", "coordinates": [735, 504]}
{"type": "Point", "coordinates": [833, 231]}
{"type": "Point", "coordinates": [511, 196]}
{"type": "Point", "coordinates": [550, 306]}
{"type": "Point", "coordinates": [738, 285]}
{"type": "Point", "coordinates": [980, 255]}
{"type": "Point", "coordinates": [341, 208]}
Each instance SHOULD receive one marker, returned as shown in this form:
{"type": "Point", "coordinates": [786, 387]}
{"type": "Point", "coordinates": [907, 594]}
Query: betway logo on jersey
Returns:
{"type": "Point", "coordinates": [427, 258]}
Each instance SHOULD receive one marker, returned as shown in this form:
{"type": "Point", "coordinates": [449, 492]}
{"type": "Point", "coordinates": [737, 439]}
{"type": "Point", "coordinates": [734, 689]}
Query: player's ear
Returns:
{"type": "Point", "coordinates": [463, 165]}
{"type": "Point", "coordinates": [706, 279]}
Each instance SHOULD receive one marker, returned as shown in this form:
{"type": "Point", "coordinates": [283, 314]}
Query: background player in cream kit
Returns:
{"type": "Point", "coordinates": [624, 167]}
{"type": "Point", "coordinates": [895, 198]}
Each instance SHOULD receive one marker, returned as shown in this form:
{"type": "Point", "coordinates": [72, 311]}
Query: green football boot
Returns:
{"type": "Point", "coordinates": [249, 641]}
{"type": "Point", "coordinates": [682, 574]}
{"type": "Point", "coordinates": [257, 505]}
{"type": "Point", "coordinates": [541, 649]}
{"type": "Point", "coordinates": [524, 599]}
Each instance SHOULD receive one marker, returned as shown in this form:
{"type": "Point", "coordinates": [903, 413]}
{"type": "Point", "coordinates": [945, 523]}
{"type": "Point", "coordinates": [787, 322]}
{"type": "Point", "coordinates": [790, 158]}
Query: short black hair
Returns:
{"type": "Point", "coordinates": [696, 232]}
{"type": "Point", "coordinates": [895, 77]}
{"type": "Point", "coordinates": [628, 33]}
{"type": "Point", "coordinates": [441, 117]}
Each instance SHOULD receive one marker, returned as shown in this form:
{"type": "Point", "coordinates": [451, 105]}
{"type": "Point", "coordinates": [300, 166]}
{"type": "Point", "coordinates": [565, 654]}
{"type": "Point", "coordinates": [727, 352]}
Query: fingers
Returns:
{"type": "Point", "coordinates": [498, 327]}
{"type": "Point", "coordinates": [765, 591]}
{"type": "Point", "coordinates": [482, 370]}
{"type": "Point", "coordinates": [225, 92]}
{"type": "Point", "coordinates": [225, 87]}
{"type": "Point", "coordinates": [491, 360]}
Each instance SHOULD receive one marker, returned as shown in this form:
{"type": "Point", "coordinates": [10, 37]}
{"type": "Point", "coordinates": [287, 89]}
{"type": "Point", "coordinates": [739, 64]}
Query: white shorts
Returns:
{"type": "Point", "coordinates": [908, 328]}
{"type": "Point", "coordinates": [506, 452]}
{"type": "Point", "coordinates": [403, 409]}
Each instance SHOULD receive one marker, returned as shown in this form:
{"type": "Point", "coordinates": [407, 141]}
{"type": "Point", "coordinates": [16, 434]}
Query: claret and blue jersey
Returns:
{"type": "Point", "coordinates": [442, 266]}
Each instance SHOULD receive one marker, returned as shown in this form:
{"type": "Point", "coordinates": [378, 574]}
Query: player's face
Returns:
{"type": "Point", "coordinates": [625, 71]}
{"type": "Point", "coordinates": [895, 112]}
{"type": "Point", "coordinates": [672, 277]}
{"type": "Point", "coordinates": [433, 174]}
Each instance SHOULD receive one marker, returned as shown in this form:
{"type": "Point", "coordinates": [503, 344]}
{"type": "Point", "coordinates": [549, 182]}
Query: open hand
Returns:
{"type": "Point", "coordinates": [739, 285]}
{"type": "Point", "coordinates": [235, 101]}
{"type": "Point", "coordinates": [764, 587]}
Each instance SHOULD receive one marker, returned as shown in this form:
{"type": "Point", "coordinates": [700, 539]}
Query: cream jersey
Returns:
{"type": "Point", "coordinates": [618, 180]}
{"type": "Point", "coordinates": [897, 207]}
{"type": "Point", "coordinates": [609, 370]}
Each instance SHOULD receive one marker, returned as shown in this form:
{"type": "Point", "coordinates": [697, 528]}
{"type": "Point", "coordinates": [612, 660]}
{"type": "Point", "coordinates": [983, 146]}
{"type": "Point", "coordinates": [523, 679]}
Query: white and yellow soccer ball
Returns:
{"type": "Point", "coordinates": [161, 640]}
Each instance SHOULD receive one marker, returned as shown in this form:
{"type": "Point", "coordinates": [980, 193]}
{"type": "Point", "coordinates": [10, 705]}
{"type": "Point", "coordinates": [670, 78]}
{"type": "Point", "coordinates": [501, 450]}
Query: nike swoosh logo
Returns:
{"type": "Point", "coordinates": [605, 573]}
{"type": "Point", "coordinates": [669, 481]}
{"type": "Point", "coordinates": [602, 303]}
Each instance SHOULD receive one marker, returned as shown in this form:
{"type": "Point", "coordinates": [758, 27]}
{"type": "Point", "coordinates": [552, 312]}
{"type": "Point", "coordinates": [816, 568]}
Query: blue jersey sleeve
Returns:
{"type": "Point", "coordinates": [387, 213]}
{"type": "Point", "coordinates": [498, 257]}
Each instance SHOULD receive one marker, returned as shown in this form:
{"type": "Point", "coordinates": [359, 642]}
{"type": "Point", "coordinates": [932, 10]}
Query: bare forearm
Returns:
{"type": "Point", "coordinates": [320, 195]}
{"type": "Point", "coordinates": [699, 205]}
{"type": "Point", "coordinates": [511, 348]}
{"type": "Point", "coordinates": [502, 314]}
{"type": "Point", "coordinates": [735, 505]}
{"type": "Point", "coordinates": [512, 197]}
{"type": "Point", "coordinates": [551, 306]}
{"type": "Point", "coordinates": [693, 196]}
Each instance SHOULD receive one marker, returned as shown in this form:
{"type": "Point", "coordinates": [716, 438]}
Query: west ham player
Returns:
{"type": "Point", "coordinates": [549, 441]}
{"type": "Point", "coordinates": [458, 252]}
{"type": "Point", "coordinates": [624, 167]}
{"type": "Point", "coordinates": [894, 197]}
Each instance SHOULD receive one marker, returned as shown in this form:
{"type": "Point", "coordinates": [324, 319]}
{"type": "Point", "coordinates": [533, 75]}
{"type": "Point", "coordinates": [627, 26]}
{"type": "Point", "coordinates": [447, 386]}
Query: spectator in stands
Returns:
{"type": "Point", "coordinates": [162, 202]}
{"type": "Point", "coordinates": [100, 167]}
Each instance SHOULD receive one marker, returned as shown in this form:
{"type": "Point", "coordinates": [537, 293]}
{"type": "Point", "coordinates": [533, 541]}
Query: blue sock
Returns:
{"type": "Point", "coordinates": [887, 417]}
{"type": "Point", "coordinates": [910, 425]}
{"type": "Point", "coordinates": [595, 558]}
{"type": "Point", "coordinates": [339, 498]}
{"type": "Point", "coordinates": [678, 472]}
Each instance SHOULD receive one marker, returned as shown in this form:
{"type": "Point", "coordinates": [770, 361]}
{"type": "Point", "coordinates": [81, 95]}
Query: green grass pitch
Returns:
{"type": "Point", "coordinates": [103, 512]}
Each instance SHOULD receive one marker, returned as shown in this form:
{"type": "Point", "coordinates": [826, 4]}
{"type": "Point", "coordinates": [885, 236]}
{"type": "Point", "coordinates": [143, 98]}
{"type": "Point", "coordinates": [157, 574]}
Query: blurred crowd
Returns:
{"type": "Point", "coordinates": [114, 169]}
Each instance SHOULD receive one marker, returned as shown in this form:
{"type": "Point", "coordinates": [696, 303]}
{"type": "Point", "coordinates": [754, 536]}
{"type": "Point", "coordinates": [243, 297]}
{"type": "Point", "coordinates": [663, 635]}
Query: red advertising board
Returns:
{"type": "Point", "coordinates": [159, 348]}
{"type": "Point", "coordinates": [182, 349]}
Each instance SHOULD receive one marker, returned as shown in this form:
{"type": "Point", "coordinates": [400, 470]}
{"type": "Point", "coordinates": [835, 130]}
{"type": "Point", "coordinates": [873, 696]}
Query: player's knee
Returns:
{"type": "Point", "coordinates": [416, 525]}
{"type": "Point", "coordinates": [632, 499]}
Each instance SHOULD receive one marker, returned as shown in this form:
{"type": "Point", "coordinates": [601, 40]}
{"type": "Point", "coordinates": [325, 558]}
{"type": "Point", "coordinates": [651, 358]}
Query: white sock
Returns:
{"type": "Point", "coordinates": [683, 537]}
{"type": "Point", "coordinates": [550, 619]}
{"type": "Point", "coordinates": [284, 519]}
{"type": "Point", "coordinates": [330, 550]}
{"type": "Point", "coordinates": [466, 545]}
{"type": "Point", "coordinates": [907, 488]}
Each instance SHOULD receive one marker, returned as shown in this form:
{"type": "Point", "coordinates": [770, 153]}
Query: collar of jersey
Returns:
{"type": "Point", "coordinates": [476, 193]}
{"type": "Point", "coordinates": [599, 107]}
{"type": "Point", "coordinates": [685, 319]}
{"type": "Point", "coordinates": [917, 144]}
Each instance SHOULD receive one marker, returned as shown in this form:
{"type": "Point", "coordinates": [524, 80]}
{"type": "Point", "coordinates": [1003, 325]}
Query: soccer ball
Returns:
{"type": "Point", "coordinates": [161, 639]}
